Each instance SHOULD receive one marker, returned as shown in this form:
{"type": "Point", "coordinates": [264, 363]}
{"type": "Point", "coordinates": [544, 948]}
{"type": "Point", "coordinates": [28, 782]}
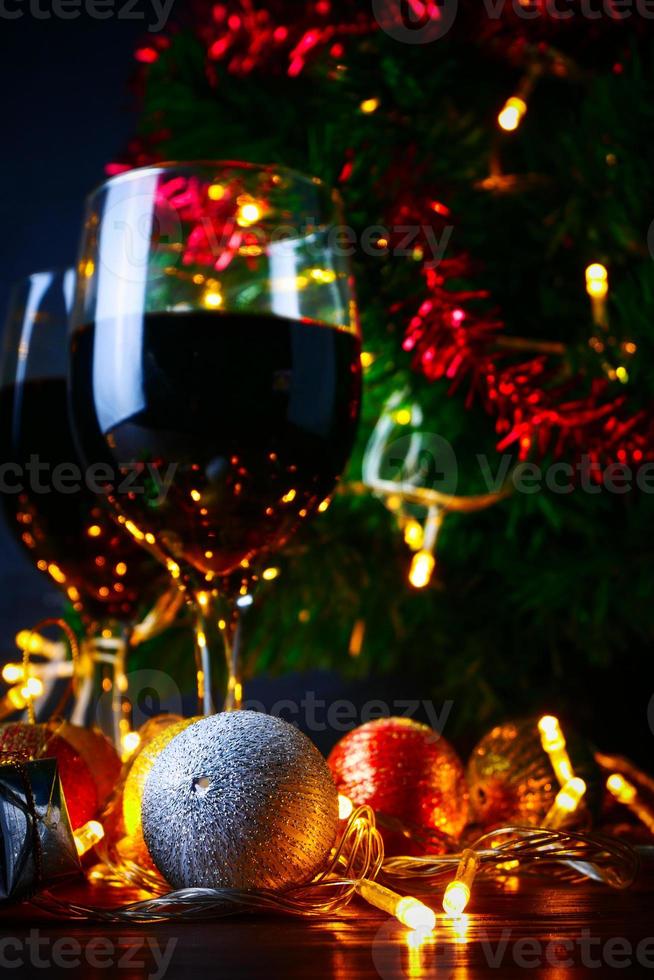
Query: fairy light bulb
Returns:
{"type": "Point", "coordinates": [424, 562]}
{"type": "Point", "coordinates": [597, 280]}
{"type": "Point", "coordinates": [212, 299]}
{"type": "Point", "coordinates": [12, 673]}
{"type": "Point", "coordinates": [249, 213]}
{"type": "Point", "coordinates": [368, 106]}
{"type": "Point", "coordinates": [88, 836]}
{"type": "Point", "coordinates": [270, 574]}
{"type": "Point", "coordinates": [33, 688]}
{"type": "Point", "coordinates": [409, 911]}
{"type": "Point", "coordinates": [422, 569]}
{"type": "Point", "coordinates": [414, 535]}
{"type": "Point", "coordinates": [566, 802]}
{"type": "Point", "coordinates": [404, 416]}
{"type": "Point", "coordinates": [512, 114]}
{"type": "Point", "coordinates": [553, 742]}
{"type": "Point", "coordinates": [130, 743]}
{"type": "Point", "coordinates": [345, 807]}
{"type": "Point", "coordinates": [627, 794]}
{"type": "Point", "coordinates": [458, 892]}
{"type": "Point", "coordinates": [597, 287]}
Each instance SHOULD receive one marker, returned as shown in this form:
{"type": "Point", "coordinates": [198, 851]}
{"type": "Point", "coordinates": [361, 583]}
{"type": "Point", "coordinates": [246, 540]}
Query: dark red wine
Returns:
{"type": "Point", "coordinates": [67, 534]}
{"type": "Point", "coordinates": [255, 416]}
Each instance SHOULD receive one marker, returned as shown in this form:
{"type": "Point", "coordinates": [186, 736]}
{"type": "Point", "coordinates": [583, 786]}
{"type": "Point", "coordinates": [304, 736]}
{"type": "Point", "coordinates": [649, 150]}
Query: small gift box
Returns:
{"type": "Point", "coordinates": [37, 847]}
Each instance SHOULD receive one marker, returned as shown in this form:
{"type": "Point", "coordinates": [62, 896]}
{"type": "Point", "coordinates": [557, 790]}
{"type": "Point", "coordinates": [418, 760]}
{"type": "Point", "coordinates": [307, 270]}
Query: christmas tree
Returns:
{"type": "Point", "coordinates": [496, 176]}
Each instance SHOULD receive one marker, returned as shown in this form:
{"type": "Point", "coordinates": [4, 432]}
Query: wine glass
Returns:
{"type": "Point", "coordinates": [215, 339]}
{"type": "Point", "coordinates": [48, 499]}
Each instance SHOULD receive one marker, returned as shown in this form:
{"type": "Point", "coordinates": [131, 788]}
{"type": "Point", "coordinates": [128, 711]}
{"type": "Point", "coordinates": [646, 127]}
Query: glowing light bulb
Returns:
{"type": "Point", "coordinates": [458, 892]}
{"type": "Point", "coordinates": [627, 794]}
{"type": "Point", "coordinates": [367, 359]}
{"type": "Point", "coordinates": [33, 688]}
{"type": "Point", "coordinates": [88, 836]}
{"type": "Point", "coordinates": [621, 789]}
{"type": "Point", "coordinates": [409, 911]}
{"type": "Point", "coordinates": [324, 277]}
{"type": "Point", "coordinates": [414, 535]}
{"type": "Point", "coordinates": [32, 642]}
{"type": "Point", "coordinates": [404, 416]}
{"type": "Point", "coordinates": [94, 531]}
{"type": "Point", "coordinates": [622, 375]}
{"type": "Point", "coordinates": [597, 281]}
{"type": "Point", "coordinates": [345, 807]}
{"type": "Point", "coordinates": [566, 802]}
{"type": "Point", "coordinates": [456, 898]}
{"type": "Point", "coordinates": [12, 673]}
{"type": "Point", "coordinates": [212, 299]}
{"type": "Point", "coordinates": [270, 574]}
{"type": "Point", "coordinates": [56, 573]}
{"type": "Point", "coordinates": [512, 114]}
{"type": "Point", "coordinates": [130, 743]}
{"type": "Point", "coordinates": [249, 213]}
{"type": "Point", "coordinates": [134, 530]}
{"type": "Point", "coordinates": [368, 106]}
{"type": "Point", "coordinates": [216, 192]}
{"type": "Point", "coordinates": [422, 569]}
{"type": "Point", "coordinates": [553, 742]}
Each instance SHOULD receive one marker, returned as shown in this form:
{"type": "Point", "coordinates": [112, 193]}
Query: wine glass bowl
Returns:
{"type": "Point", "coordinates": [48, 501]}
{"type": "Point", "coordinates": [215, 343]}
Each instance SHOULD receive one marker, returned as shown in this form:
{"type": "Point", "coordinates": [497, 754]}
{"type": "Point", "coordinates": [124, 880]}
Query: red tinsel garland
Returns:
{"type": "Point", "coordinates": [452, 335]}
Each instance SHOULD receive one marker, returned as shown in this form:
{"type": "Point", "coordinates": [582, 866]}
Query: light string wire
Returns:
{"type": "Point", "coordinates": [359, 856]}
{"type": "Point", "coordinates": [565, 855]}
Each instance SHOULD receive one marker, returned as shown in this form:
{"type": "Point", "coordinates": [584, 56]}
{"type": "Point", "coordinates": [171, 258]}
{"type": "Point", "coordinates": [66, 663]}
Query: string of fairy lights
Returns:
{"type": "Point", "coordinates": [358, 866]}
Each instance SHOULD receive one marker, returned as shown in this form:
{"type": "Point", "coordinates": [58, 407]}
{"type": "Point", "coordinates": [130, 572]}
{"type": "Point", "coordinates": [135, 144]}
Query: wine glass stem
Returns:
{"type": "Point", "coordinates": [101, 690]}
{"type": "Point", "coordinates": [212, 611]}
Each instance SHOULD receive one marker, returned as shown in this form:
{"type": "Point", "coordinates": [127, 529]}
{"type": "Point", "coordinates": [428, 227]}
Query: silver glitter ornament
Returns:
{"type": "Point", "coordinates": [240, 800]}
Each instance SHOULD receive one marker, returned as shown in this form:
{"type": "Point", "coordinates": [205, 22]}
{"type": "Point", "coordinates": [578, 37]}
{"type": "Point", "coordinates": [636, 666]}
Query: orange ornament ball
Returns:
{"type": "Point", "coordinates": [21, 742]}
{"type": "Point", "coordinates": [156, 734]}
{"type": "Point", "coordinates": [410, 776]}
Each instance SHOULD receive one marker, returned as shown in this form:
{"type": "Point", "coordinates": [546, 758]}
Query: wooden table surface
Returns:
{"type": "Point", "coordinates": [517, 929]}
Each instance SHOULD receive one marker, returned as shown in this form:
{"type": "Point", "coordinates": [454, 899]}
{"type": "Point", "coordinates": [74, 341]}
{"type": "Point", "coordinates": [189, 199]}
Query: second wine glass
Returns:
{"type": "Point", "coordinates": [216, 359]}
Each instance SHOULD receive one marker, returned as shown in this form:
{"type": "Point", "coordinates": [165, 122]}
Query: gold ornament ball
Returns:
{"type": "Point", "coordinates": [240, 800]}
{"type": "Point", "coordinates": [154, 740]}
{"type": "Point", "coordinates": [512, 780]}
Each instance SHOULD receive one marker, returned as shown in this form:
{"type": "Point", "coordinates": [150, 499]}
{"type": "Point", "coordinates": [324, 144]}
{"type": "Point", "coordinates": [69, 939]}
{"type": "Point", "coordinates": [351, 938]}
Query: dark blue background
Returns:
{"type": "Point", "coordinates": [66, 111]}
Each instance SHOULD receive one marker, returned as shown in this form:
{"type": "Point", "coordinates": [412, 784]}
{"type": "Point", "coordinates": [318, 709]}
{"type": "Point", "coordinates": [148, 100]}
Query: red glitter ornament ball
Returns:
{"type": "Point", "coordinates": [410, 776]}
{"type": "Point", "coordinates": [22, 742]}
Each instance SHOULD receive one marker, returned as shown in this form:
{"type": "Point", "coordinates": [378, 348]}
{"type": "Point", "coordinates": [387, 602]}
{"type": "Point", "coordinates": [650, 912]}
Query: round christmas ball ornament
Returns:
{"type": "Point", "coordinates": [512, 779]}
{"type": "Point", "coordinates": [23, 742]}
{"type": "Point", "coordinates": [155, 741]}
{"type": "Point", "coordinates": [97, 752]}
{"type": "Point", "coordinates": [406, 772]}
{"type": "Point", "coordinates": [240, 800]}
